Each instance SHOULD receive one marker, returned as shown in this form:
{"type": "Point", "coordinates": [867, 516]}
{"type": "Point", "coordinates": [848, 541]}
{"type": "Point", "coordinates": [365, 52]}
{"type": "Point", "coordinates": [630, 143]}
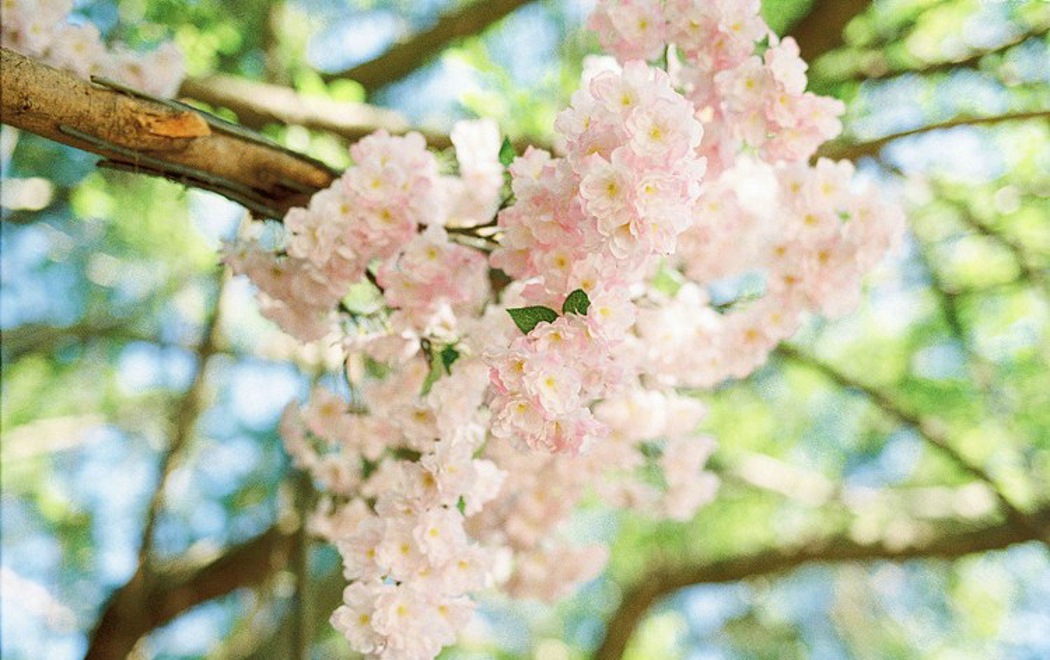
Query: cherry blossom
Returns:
{"type": "Point", "coordinates": [41, 29]}
{"type": "Point", "coordinates": [678, 236]}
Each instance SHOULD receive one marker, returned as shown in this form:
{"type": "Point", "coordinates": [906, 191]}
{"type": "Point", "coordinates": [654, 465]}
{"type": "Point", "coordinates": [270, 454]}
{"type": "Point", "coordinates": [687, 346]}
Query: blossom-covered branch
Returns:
{"type": "Point", "coordinates": [478, 418]}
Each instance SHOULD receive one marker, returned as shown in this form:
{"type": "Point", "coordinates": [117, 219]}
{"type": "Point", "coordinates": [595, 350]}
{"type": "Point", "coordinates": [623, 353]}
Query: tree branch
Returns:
{"type": "Point", "coordinates": [930, 430]}
{"type": "Point", "coordinates": [156, 138]}
{"type": "Point", "coordinates": [665, 580]}
{"type": "Point", "coordinates": [259, 104]}
{"type": "Point", "coordinates": [821, 30]}
{"type": "Point", "coordinates": [408, 55]}
{"type": "Point", "coordinates": [110, 640]}
{"type": "Point", "coordinates": [149, 601]}
{"type": "Point", "coordinates": [842, 149]}
{"type": "Point", "coordinates": [186, 415]}
{"type": "Point", "coordinates": [874, 66]}
{"type": "Point", "coordinates": [1033, 274]}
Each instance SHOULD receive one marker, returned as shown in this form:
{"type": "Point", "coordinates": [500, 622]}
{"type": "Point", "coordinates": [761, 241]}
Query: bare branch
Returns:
{"type": "Point", "coordinates": [149, 601]}
{"type": "Point", "coordinates": [408, 55]}
{"type": "Point", "coordinates": [874, 66]}
{"type": "Point", "coordinates": [931, 431]}
{"type": "Point", "coordinates": [186, 415]}
{"type": "Point", "coordinates": [139, 133]}
{"type": "Point", "coordinates": [842, 149]}
{"type": "Point", "coordinates": [664, 580]}
{"type": "Point", "coordinates": [258, 104]}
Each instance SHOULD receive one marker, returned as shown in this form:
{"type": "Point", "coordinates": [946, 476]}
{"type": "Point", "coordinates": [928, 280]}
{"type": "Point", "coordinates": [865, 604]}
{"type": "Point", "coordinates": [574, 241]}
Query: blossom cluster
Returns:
{"type": "Point", "coordinates": [370, 214]}
{"type": "Point", "coordinates": [746, 98]}
{"type": "Point", "coordinates": [406, 482]}
{"type": "Point", "coordinates": [594, 220]}
{"type": "Point", "coordinates": [42, 29]}
{"type": "Point", "coordinates": [677, 238]}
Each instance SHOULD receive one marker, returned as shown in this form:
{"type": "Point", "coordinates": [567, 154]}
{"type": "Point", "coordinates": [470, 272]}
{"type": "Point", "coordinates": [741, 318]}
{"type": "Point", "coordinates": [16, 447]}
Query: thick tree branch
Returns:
{"type": "Point", "coordinates": [665, 580]}
{"type": "Point", "coordinates": [155, 138]}
{"type": "Point", "coordinates": [408, 55]}
{"type": "Point", "coordinates": [841, 149]}
{"type": "Point", "coordinates": [149, 601]}
{"type": "Point", "coordinates": [821, 30]}
{"type": "Point", "coordinates": [113, 641]}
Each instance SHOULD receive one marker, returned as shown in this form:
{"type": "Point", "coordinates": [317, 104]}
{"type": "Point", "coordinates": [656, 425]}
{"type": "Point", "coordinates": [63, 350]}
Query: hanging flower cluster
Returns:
{"type": "Point", "coordinates": [41, 29]}
{"type": "Point", "coordinates": [500, 371]}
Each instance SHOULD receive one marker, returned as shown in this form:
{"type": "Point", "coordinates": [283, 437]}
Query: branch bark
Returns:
{"type": "Point", "coordinates": [150, 600]}
{"type": "Point", "coordinates": [874, 66]}
{"type": "Point", "coordinates": [821, 30]}
{"type": "Point", "coordinates": [857, 150]}
{"type": "Point", "coordinates": [156, 138]}
{"type": "Point", "coordinates": [408, 55]}
{"type": "Point", "coordinates": [664, 580]}
{"type": "Point", "coordinates": [931, 431]}
{"type": "Point", "coordinates": [259, 104]}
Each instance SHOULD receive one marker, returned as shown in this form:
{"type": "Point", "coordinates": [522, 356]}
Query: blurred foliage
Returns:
{"type": "Point", "coordinates": [108, 279]}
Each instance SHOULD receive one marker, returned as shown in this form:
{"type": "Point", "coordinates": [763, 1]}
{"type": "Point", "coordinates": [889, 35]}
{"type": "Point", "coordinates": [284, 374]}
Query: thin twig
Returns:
{"type": "Point", "coordinates": [258, 208]}
{"type": "Point", "coordinates": [853, 151]}
{"type": "Point", "coordinates": [186, 415]}
{"type": "Point", "coordinates": [929, 430]}
{"type": "Point", "coordinates": [876, 69]}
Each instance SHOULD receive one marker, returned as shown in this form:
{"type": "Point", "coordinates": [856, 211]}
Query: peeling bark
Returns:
{"type": "Point", "coordinates": [144, 135]}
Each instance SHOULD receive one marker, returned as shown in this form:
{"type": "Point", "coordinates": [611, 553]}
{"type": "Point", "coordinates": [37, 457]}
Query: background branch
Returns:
{"type": "Point", "coordinates": [665, 580]}
{"type": "Point", "coordinates": [1034, 275]}
{"type": "Point", "coordinates": [150, 601]}
{"type": "Point", "coordinates": [875, 67]}
{"type": "Point", "coordinates": [186, 415]}
{"type": "Point", "coordinates": [930, 430]}
{"type": "Point", "coordinates": [855, 150]}
{"type": "Point", "coordinates": [409, 54]}
{"type": "Point", "coordinates": [821, 30]}
{"type": "Point", "coordinates": [258, 104]}
{"type": "Point", "coordinates": [115, 640]}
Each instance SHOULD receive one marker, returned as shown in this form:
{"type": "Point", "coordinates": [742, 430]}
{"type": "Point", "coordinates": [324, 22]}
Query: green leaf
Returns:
{"type": "Point", "coordinates": [527, 318]}
{"type": "Point", "coordinates": [576, 302]}
{"type": "Point", "coordinates": [449, 354]}
{"type": "Point", "coordinates": [507, 154]}
{"type": "Point", "coordinates": [440, 363]}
